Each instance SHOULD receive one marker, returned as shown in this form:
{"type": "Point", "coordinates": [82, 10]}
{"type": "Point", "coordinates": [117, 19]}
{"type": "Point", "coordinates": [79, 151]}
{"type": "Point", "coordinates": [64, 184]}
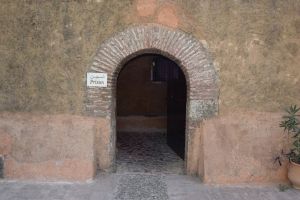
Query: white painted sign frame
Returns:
{"type": "Point", "coordinates": [96, 79]}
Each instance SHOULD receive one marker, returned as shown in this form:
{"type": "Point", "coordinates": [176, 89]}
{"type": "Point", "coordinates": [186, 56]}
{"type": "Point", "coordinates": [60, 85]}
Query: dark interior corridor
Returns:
{"type": "Point", "coordinates": [151, 111]}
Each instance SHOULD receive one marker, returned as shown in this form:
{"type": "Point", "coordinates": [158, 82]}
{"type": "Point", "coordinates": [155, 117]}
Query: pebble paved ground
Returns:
{"type": "Point", "coordinates": [148, 153]}
{"type": "Point", "coordinates": [136, 181]}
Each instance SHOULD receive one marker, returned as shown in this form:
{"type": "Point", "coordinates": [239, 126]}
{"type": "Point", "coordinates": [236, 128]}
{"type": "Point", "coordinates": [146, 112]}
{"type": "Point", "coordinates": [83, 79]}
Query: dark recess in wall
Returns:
{"type": "Point", "coordinates": [137, 94]}
{"type": "Point", "coordinates": [1, 167]}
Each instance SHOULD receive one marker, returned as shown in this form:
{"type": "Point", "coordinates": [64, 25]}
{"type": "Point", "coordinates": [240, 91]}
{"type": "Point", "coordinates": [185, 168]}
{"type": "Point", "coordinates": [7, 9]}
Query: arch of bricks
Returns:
{"type": "Point", "coordinates": [184, 49]}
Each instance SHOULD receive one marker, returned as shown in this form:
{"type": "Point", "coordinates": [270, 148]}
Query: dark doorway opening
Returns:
{"type": "Point", "coordinates": [151, 115]}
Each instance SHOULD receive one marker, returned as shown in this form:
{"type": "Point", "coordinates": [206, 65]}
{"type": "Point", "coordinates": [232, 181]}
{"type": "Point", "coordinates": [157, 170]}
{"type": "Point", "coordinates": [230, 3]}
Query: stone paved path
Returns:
{"type": "Point", "coordinates": [147, 153]}
{"type": "Point", "coordinates": [139, 186]}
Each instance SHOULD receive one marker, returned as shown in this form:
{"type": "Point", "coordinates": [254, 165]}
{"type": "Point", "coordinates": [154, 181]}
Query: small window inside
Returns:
{"type": "Point", "coordinates": [164, 70]}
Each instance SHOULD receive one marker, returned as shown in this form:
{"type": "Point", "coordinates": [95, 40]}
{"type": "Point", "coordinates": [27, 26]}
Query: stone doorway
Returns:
{"type": "Point", "coordinates": [201, 81]}
{"type": "Point", "coordinates": [151, 113]}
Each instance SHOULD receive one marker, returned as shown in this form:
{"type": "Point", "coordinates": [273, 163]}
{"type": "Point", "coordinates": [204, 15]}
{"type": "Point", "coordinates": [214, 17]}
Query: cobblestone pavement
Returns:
{"type": "Point", "coordinates": [141, 186]}
{"type": "Point", "coordinates": [146, 152]}
{"type": "Point", "coordinates": [145, 171]}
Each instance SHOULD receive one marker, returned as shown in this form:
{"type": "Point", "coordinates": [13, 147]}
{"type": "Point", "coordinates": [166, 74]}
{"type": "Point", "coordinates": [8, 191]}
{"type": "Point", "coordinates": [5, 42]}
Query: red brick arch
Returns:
{"type": "Point", "coordinates": [183, 48]}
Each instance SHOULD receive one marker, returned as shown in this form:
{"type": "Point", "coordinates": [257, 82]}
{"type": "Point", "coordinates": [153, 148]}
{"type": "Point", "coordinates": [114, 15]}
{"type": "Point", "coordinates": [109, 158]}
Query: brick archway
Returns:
{"type": "Point", "coordinates": [186, 51]}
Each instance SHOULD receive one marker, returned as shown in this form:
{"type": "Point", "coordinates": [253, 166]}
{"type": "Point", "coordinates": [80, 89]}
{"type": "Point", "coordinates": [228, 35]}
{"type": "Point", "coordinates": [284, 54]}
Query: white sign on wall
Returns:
{"type": "Point", "coordinates": [96, 79]}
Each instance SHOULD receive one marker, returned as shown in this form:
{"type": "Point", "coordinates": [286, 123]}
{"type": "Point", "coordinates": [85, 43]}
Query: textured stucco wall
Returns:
{"type": "Point", "coordinates": [47, 46]}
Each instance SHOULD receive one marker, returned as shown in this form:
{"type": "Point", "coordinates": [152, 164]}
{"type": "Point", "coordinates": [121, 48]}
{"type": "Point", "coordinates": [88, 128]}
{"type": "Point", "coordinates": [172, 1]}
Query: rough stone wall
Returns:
{"type": "Point", "coordinates": [47, 46]}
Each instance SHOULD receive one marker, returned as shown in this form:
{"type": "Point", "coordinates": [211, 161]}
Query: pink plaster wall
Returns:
{"type": "Point", "coordinates": [235, 147]}
{"type": "Point", "coordinates": [239, 147]}
{"type": "Point", "coordinates": [47, 147]}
